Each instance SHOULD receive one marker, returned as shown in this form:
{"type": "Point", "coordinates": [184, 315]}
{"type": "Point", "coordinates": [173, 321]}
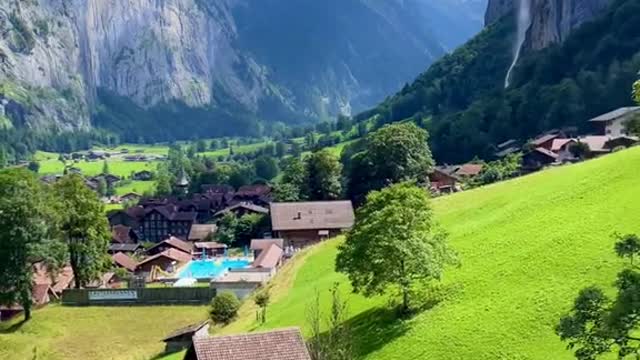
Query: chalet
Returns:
{"type": "Point", "coordinates": [164, 221]}
{"type": "Point", "coordinates": [613, 123]}
{"type": "Point", "coordinates": [209, 248]}
{"type": "Point", "coordinates": [183, 338]}
{"type": "Point", "coordinates": [562, 147]}
{"type": "Point", "coordinates": [131, 217]}
{"type": "Point", "coordinates": [283, 344]}
{"type": "Point", "coordinates": [255, 194]}
{"type": "Point", "coordinates": [123, 261]}
{"type": "Point", "coordinates": [242, 209]}
{"type": "Point", "coordinates": [538, 158]}
{"type": "Point", "coordinates": [122, 234]}
{"type": "Point", "coordinates": [259, 245]}
{"type": "Point", "coordinates": [469, 170]}
{"type": "Point", "coordinates": [545, 141]}
{"type": "Point", "coordinates": [444, 180]}
{"type": "Point", "coordinates": [130, 197]}
{"type": "Point", "coordinates": [201, 232]}
{"type": "Point", "coordinates": [124, 248]}
{"type": "Point", "coordinates": [304, 223]}
{"type": "Point", "coordinates": [171, 243]}
{"type": "Point", "coordinates": [144, 175]}
{"type": "Point", "coordinates": [167, 261]}
{"type": "Point", "coordinates": [600, 145]}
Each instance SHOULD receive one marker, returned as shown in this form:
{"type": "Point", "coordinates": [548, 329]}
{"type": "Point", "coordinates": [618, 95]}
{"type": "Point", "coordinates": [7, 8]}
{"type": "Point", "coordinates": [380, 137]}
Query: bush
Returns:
{"type": "Point", "coordinates": [224, 308]}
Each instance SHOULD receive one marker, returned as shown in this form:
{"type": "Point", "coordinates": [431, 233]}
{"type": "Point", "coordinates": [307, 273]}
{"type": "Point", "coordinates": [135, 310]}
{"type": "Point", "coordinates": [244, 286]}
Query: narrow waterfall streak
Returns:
{"type": "Point", "coordinates": [524, 23]}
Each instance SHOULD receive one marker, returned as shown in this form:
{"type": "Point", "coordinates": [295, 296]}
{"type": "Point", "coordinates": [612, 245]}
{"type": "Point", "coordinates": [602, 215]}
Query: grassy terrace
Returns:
{"type": "Point", "coordinates": [57, 332]}
{"type": "Point", "coordinates": [527, 246]}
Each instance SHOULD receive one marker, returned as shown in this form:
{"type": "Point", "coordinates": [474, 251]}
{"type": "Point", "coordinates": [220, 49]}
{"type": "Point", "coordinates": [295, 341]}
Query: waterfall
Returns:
{"type": "Point", "coordinates": [524, 22]}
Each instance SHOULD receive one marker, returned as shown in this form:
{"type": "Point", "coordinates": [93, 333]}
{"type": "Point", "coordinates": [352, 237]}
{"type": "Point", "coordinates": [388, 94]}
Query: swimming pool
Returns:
{"type": "Point", "coordinates": [209, 269]}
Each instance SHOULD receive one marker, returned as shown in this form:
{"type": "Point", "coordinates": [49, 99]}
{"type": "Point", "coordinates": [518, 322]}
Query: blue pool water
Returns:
{"type": "Point", "coordinates": [202, 269]}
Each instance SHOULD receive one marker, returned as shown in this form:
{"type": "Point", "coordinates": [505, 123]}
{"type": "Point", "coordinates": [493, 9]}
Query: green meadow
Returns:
{"type": "Point", "coordinates": [122, 333]}
{"type": "Point", "coordinates": [527, 246]}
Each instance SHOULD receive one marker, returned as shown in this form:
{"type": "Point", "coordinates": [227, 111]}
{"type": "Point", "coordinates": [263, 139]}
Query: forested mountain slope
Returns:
{"type": "Point", "coordinates": [564, 84]}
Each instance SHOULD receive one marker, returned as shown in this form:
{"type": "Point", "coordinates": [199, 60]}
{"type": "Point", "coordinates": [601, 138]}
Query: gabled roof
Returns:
{"type": "Point", "coordinates": [546, 152]}
{"type": "Point", "coordinates": [173, 254]}
{"type": "Point", "coordinates": [269, 258]}
{"type": "Point", "coordinates": [175, 243]}
{"type": "Point", "coordinates": [469, 170]}
{"type": "Point", "coordinates": [284, 344]}
{"type": "Point", "coordinates": [544, 138]}
{"type": "Point", "coordinates": [201, 231]}
{"type": "Point", "coordinates": [124, 247]}
{"type": "Point", "coordinates": [124, 261]}
{"type": "Point", "coordinates": [263, 244]}
{"type": "Point", "coordinates": [243, 205]}
{"type": "Point", "coordinates": [187, 330]}
{"type": "Point", "coordinates": [616, 114]}
{"type": "Point", "coordinates": [558, 144]}
{"type": "Point", "coordinates": [120, 234]}
{"type": "Point", "coordinates": [170, 213]}
{"type": "Point", "coordinates": [315, 215]}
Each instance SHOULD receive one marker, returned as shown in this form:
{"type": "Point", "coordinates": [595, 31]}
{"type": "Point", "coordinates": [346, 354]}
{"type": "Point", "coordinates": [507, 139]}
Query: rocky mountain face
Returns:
{"type": "Point", "coordinates": [551, 20]}
{"type": "Point", "coordinates": [279, 60]}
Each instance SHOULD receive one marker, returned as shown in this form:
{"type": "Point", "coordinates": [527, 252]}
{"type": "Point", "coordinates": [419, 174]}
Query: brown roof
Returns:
{"type": "Point", "coordinates": [120, 234]}
{"type": "Point", "coordinates": [124, 261]}
{"type": "Point", "coordinates": [246, 206]}
{"type": "Point", "coordinates": [558, 144]}
{"type": "Point", "coordinates": [616, 114]}
{"type": "Point", "coordinates": [318, 215]}
{"type": "Point", "coordinates": [596, 143]}
{"type": "Point", "coordinates": [284, 344]}
{"type": "Point", "coordinates": [62, 280]}
{"type": "Point", "coordinates": [263, 244]}
{"type": "Point", "coordinates": [546, 152]}
{"type": "Point", "coordinates": [544, 138]}
{"type": "Point", "coordinates": [201, 231]}
{"type": "Point", "coordinates": [269, 258]}
{"type": "Point", "coordinates": [175, 243]}
{"type": "Point", "coordinates": [173, 254]}
{"type": "Point", "coordinates": [186, 330]}
{"type": "Point", "coordinates": [469, 170]}
{"type": "Point", "coordinates": [40, 293]}
{"type": "Point", "coordinates": [209, 245]}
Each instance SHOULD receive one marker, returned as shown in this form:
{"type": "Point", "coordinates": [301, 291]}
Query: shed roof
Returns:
{"type": "Point", "coordinates": [186, 330]}
{"type": "Point", "coordinates": [124, 261]}
{"type": "Point", "coordinates": [283, 344]}
{"type": "Point", "coordinates": [269, 258]}
{"type": "Point", "coordinates": [616, 114]}
{"type": "Point", "coordinates": [469, 170]}
{"type": "Point", "coordinates": [263, 244]}
{"type": "Point", "coordinates": [318, 215]}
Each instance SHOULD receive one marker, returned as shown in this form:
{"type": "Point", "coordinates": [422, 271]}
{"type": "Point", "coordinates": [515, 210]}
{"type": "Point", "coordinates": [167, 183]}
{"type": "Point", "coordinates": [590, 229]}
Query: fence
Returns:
{"type": "Point", "coordinates": [142, 296]}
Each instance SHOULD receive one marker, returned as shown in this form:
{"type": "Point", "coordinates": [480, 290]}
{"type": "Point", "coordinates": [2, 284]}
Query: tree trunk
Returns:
{"type": "Point", "coordinates": [405, 300]}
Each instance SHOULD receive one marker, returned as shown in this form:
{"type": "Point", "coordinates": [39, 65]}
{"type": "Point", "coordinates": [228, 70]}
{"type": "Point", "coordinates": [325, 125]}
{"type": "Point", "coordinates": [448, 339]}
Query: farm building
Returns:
{"type": "Point", "coordinates": [201, 232]}
{"type": "Point", "coordinates": [613, 123]}
{"type": "Point", "coordinates": [538, 158]}
{"type": "Point", "coordinates": [303, 223]}
{"type": "Point", "coordinates": [283, 344]}
{"type": "Point", "coordinates": [183, 338]}
{"type": "Point", "coordinates": [123, 261]}
{"type": "Point", "coordinates": [443, 180]}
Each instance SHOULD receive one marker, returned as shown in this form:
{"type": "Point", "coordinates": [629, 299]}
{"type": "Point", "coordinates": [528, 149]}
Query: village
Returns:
{"type": "Point", "coordinates": [165, 250]}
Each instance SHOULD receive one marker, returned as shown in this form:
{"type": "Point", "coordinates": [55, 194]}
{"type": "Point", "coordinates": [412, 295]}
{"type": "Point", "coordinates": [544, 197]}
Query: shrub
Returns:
{"type": "Point", "coordinates": [224, 308]}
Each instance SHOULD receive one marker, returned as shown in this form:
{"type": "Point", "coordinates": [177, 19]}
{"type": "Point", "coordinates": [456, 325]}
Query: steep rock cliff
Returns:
{"type": "Point", "coordinates": [552, 20]}
{"type": "Point", "coordinates": [276, 59]}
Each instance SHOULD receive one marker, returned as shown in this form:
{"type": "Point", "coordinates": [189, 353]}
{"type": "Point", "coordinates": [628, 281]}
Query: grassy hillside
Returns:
{"type": "Point", "coordinates": [527, 246]}
{"type": "Point", "coordinates": [58, 332]}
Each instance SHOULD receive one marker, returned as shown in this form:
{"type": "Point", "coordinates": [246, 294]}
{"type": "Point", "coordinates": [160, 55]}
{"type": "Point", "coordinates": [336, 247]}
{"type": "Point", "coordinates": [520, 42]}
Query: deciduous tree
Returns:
{"type": "Point", "coordinates": [323, 169]}
{"type": "Point", "coordinates": [266, 167]}
{"type": "Point", "coordinates": [28, 234]}
{"type": "Point", "coordinates": [394, 243]}
{"type": "Point", "coordinates": [84, 228]}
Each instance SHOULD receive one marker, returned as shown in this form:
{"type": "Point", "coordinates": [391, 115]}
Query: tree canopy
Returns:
{"type": "Point", "coordinates": [323, 170]}
{"type": "Point", "coordinates": [394, 243]}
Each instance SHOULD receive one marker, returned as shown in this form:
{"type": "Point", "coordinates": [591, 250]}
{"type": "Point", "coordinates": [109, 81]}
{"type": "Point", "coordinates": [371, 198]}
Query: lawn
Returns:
{"type": "Point", "coordinates": [117, 167]}
{"type": "Point", "coordinates": [527, 246]}
{"type": "Point", "coordinates": [58, 332]}
{"type": "Point", "coordinates": [237, 149]}
{"type": "Point", "coordinates": [138, 187]}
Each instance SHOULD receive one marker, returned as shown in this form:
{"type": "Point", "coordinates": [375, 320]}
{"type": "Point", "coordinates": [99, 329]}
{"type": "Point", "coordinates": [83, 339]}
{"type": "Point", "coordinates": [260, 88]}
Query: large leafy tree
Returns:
{"type": "Point", "coordinates": [266, 167]}
{"type": "Point", "coordinates": [28, 235]}
{"type": "Point", "coordinates": [84, 228]}
{"type": "Point", "coordinates": [597, 324]}
{"type": "Point", "coordinates": [323, 169]}
{"type": "Point", "coordinates": [395, 153]}
{"type": "Point", "coordinates": [394, 243]}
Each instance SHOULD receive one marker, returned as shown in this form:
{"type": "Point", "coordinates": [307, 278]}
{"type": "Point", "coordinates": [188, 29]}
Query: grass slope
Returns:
{"type": "Point", "coordinates": [527, 246]}
{"type": "Point", "coordinates": [58, 332]}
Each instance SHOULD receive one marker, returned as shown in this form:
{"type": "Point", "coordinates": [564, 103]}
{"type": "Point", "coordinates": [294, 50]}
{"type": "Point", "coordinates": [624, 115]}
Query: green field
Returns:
{"type": "Point", "coordinates": [117, 167]}
{"type": "Point", "coordinates": [138, 187]}
{"type": "Point", "coordinates": [526, 246]}
{"type": "Point", "coordinates": [57, 332]}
